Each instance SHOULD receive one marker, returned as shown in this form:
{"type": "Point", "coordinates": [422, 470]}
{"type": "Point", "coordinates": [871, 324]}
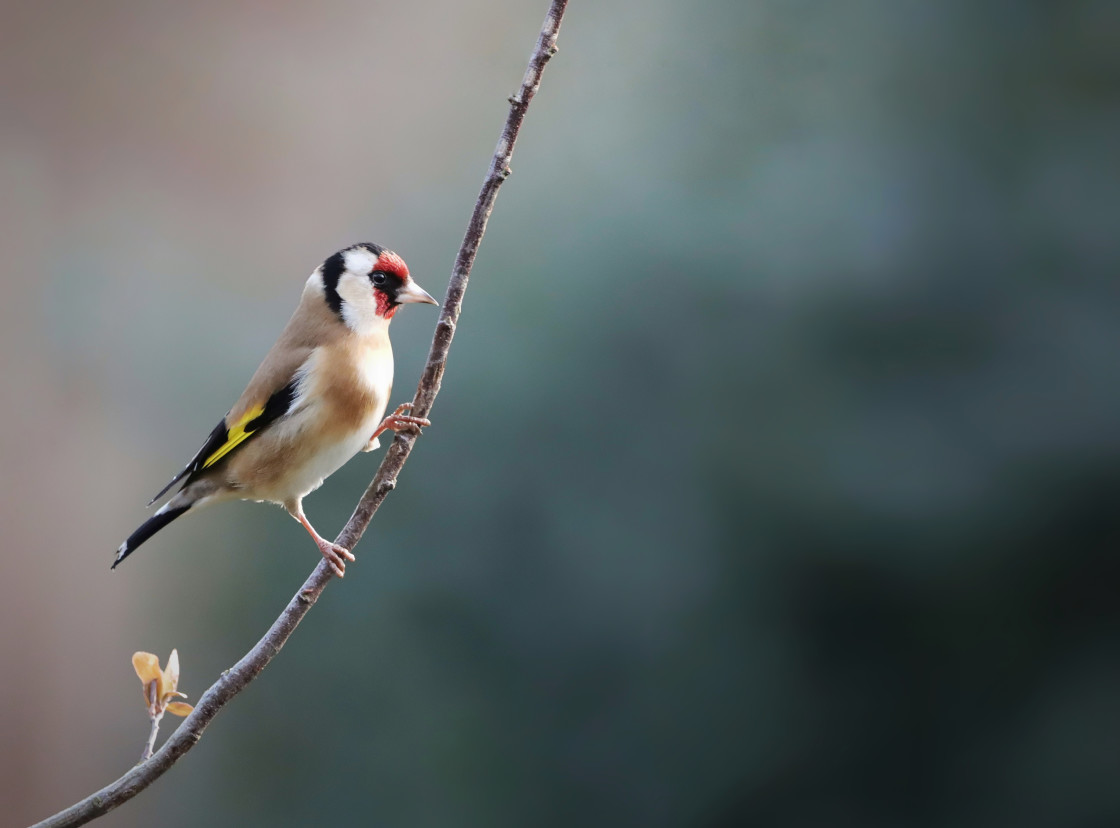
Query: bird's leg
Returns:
{"type": "Point", "coordinates": [398, 421]}
{"type": "Point", "coordinates": [331, 551]}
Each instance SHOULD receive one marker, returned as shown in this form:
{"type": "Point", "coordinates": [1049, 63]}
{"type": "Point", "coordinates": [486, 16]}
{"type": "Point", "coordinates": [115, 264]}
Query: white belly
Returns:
{"type": "Point", "coordinates": [331, 458]}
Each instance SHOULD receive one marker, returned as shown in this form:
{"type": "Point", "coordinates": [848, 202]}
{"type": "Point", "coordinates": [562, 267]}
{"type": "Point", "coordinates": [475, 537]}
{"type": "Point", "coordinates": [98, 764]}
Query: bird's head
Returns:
{"type": "Point", "coordinates": [365, 284]}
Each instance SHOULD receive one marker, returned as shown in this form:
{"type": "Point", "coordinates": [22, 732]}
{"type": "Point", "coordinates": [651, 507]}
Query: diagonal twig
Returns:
{"type": "Point", "coordinates": [235, 679]}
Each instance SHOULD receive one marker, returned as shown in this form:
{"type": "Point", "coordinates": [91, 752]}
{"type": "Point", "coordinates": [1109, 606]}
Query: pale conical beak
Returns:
{"type": "Point", "coordinates": [412, 292]}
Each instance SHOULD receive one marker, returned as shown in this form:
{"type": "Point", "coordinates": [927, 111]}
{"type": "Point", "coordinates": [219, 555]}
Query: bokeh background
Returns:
{"type": "Point", "coordinates": [775, 476]}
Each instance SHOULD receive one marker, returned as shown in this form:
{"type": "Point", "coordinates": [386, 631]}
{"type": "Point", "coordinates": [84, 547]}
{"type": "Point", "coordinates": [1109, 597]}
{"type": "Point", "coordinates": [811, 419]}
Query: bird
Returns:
{"type": "Point", "coordinates": [318, 398]}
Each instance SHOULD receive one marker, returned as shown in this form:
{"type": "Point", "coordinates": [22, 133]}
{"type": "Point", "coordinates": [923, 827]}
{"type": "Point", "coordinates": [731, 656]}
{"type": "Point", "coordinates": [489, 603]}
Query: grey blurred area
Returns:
{"type": "Point", "coordinates": [774, 478]}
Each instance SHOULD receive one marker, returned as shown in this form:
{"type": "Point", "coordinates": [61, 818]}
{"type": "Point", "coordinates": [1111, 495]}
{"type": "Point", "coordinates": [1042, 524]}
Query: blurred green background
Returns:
{"type": "Point", "coordinates": [774, 479]}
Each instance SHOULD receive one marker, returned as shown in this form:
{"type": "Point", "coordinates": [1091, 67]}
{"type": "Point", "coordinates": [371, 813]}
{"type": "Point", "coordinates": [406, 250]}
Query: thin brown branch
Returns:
{"type": "Point", "coordinates": [235, 679]}
{"type": "Point", "coordinates": [150, 745]}
{"type": "Point", "coordinates": [157, 715]}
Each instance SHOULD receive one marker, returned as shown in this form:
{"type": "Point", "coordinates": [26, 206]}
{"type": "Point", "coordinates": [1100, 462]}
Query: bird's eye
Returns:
{"type": "Point", "coordinates": [378, 278]}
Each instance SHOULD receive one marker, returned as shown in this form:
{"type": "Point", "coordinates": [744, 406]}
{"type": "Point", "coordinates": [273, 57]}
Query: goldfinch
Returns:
{"type": "Point", "coordinates": [317, 399]}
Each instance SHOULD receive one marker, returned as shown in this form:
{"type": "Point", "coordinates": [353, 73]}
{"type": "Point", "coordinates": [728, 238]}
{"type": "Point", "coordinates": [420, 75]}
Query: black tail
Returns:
{"type": "Point", "coordinates": [146, 530]}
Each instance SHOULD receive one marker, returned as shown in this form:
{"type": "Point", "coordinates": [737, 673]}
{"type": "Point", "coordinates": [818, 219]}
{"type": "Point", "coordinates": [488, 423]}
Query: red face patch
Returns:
{"type": "Point", "coordinates": [384, 307]}
{"type": "Point", "coordinates": [390, 262]}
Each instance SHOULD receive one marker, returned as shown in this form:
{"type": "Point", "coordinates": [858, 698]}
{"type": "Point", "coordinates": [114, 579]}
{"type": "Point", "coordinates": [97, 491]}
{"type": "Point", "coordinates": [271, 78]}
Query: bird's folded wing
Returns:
{"type": "Point", "coordinates": [227, 435]}
{"type": "Point", "coordinates": [270, 394]}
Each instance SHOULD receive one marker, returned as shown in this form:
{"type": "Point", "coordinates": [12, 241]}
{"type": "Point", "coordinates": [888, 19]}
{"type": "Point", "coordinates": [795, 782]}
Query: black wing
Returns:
{"type": "Point", "coordinates": [225, 437]}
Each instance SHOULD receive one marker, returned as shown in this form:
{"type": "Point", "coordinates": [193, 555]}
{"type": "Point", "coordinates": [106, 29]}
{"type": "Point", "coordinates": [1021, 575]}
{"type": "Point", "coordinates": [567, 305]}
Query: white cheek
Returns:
{"type": "Point", "coordinates": [359, 305]}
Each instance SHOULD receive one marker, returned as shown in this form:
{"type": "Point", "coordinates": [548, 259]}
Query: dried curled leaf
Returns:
{"type": "Point", "coordinates": [158, 696]}
{"type": "Point", "coordinates": [178, 708]}
{"type": "Point", "coordinates": [171, 674]}
{"type": "Point", "coordinates": [146, 666]}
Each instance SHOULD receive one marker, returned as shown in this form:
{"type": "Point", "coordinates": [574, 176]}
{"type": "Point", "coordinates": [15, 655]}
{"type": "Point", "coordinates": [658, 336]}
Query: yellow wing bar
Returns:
{"type": "Point", "coordinates": [235, 436]}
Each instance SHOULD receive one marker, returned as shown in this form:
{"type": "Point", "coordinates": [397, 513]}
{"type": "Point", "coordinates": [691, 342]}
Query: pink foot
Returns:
{"type": "Point", "coordinates": [399, 421]}
{"type": "Point", "coordinates": [336, 556]}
